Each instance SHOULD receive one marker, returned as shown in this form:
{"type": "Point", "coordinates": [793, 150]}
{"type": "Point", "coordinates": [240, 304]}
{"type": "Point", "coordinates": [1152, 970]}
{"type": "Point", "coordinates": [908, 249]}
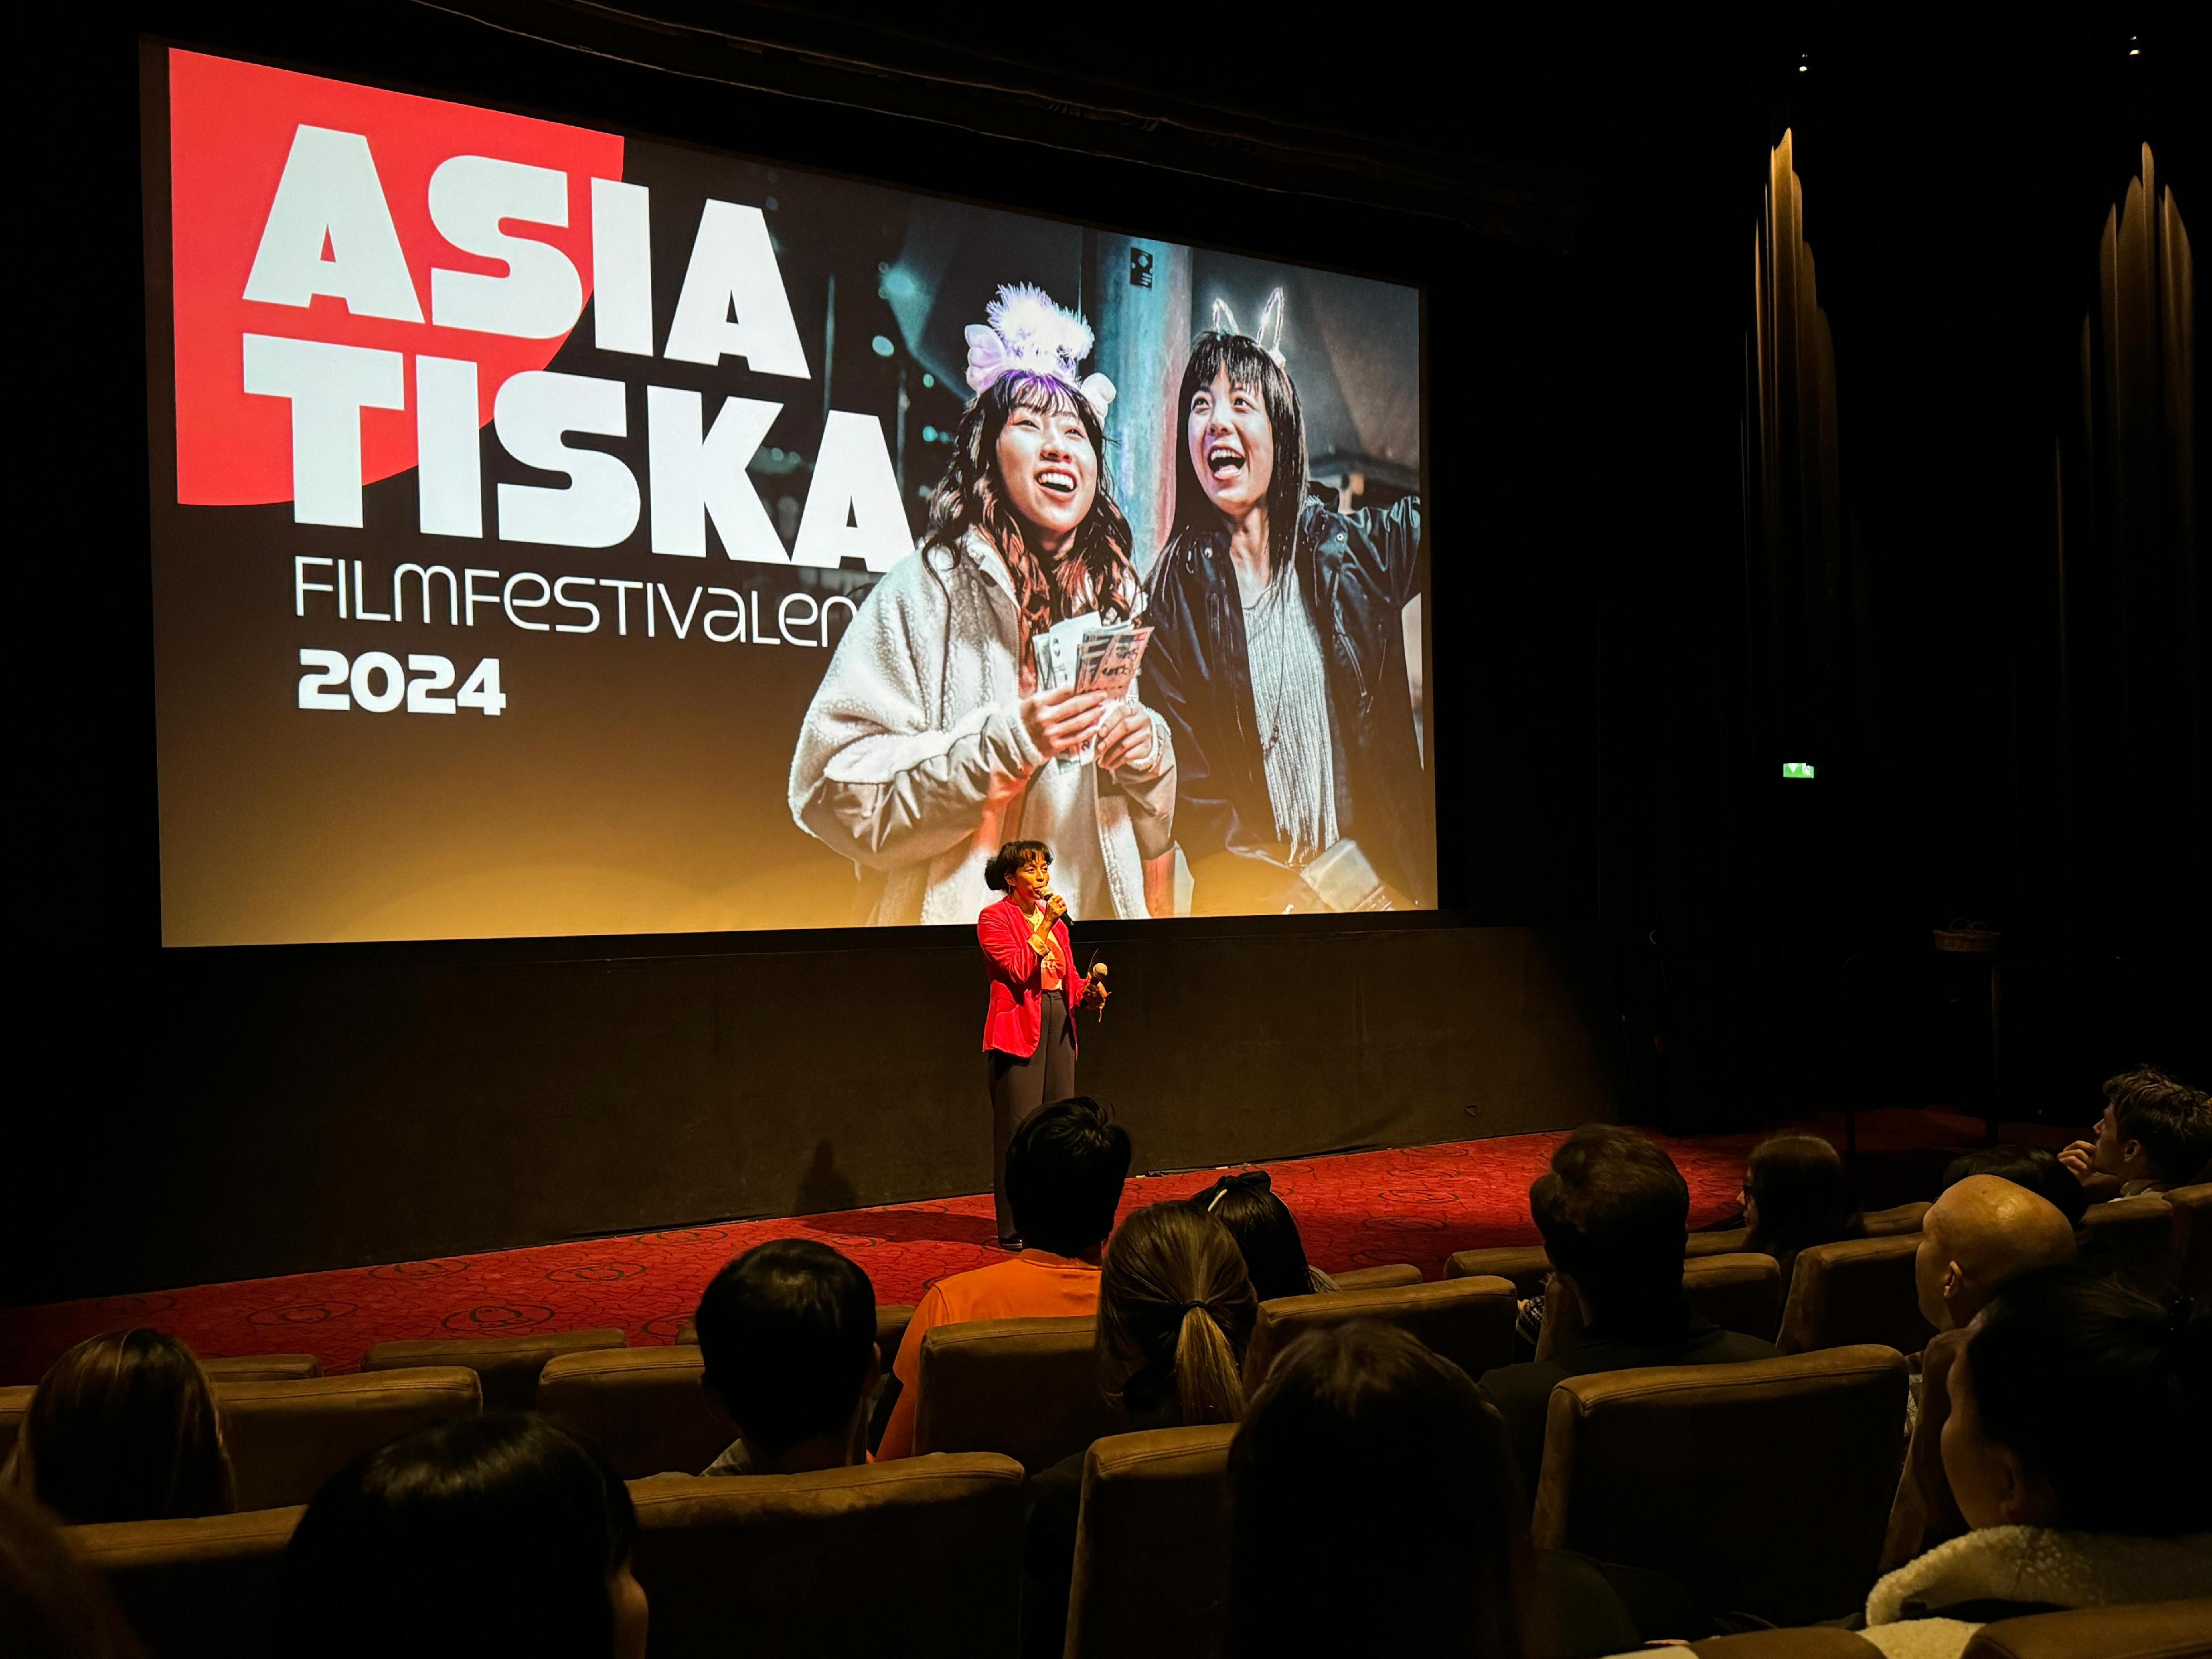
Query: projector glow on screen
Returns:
{"type": "Point", "coordinates": [1796, 768]}
{"type": "Point", "coordinates": [558, 533]}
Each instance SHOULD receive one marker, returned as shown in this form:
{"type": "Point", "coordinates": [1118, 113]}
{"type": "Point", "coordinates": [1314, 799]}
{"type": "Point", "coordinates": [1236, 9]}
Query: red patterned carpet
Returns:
{"type": "Point", "coordinates": [1415, 1204]}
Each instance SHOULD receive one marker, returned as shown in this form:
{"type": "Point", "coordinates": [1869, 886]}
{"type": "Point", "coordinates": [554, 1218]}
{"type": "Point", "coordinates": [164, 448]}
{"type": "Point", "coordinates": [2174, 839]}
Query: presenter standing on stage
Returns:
{"type": "Point", "coordinates": [1028, 1029]}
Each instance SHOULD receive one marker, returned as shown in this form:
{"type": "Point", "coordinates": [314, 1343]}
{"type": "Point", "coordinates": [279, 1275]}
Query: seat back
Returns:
{"type": "Point", "coordinates": [261, 1367]}
{"type": "Point", "coordinates": [825, 1563]}
{"type": "Point", "coordinates": [1728, 1243]}
{"type": "Point", "coordinates": [1376, 1279]}
{"type": "Point", "coordinates": [507, 1366]}
{"type": "Point", "coordinates": [2142, 1630]}
{"type": "Point", "coordinates": [289, 1436]}
{"type": "Point", "coordinates": [1860, 1291]}
{"type": "Point", "coordinates": [1027, 1388]}
{"type": "Point", "coordinates": [199, 1587]}
{"type": "Point", "coordinates": [1762, 1487]}
{"type": "Point", "coordinates": [2191, 1271]}
{"type": "Point", "coordinates": [1151, 1549]}
{"type": "Point", "coordinates": [1468, 1320]}
{"type": "Point", "coordinates": [643, 1407]}
{"type": "Point", "coordinates": [2137, 1232]}
{"type": "Point", "coordinates": [1887, 1223]}
{"type": "Point", "coordinates": [1740, 1292]}
{"type": "Point", "coordinates": [1812, 1642]}
{"type": "Point", "coordinates": [15, 1406]}
{"type": "Point", "coordinates": [1525, 1265]}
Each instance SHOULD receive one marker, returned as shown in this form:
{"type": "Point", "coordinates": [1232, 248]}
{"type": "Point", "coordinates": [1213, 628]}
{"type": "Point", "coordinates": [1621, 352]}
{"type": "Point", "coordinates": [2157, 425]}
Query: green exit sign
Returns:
{"type": "Point", "coordinates": [1796, 768]}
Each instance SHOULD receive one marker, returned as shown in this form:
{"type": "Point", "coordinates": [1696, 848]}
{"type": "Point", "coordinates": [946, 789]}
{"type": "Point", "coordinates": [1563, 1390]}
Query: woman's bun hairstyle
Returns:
{"type": "Point", "coordinates": [1009, 858]}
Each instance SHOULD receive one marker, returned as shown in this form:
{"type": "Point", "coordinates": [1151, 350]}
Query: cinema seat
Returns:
{"type": "Point", "coordinates": [1762, 1487]}
{"type": "Point", "coordinates": [1740, 1292]}
{"type": "Point", "coordinates": [1468, 1320]}
{"type": "Point", "coordinates": [192, 1588]}
{"type": "Point", "coordinates": [643, 1407]}
{"type": "Point", "coordinates": [1887, 1223]}
{"type": "Point", "coordinates": [2143, 1630]}
{"type": "Point", "coordinates": [825, 1563]}
{"type": "Point", "coordinates": [15, 1403]}
{"type": "Point", "coordinates": [287, 1437]}
{"type": "Point", "coordinates": [1151, 1549]}
{"type": "Point", "coordinates": [1858, 1291]}
{"type": "Point", "coordinates": [1813, 1642]}
{"type": "Point", "coordinates": [2138, 1233]}
{"type": "Point", "coordinates": [1730, 1242]}
{"type": "Point", "coordinates": [1026, 1388]}
{"type": "Point", "coordinates": [263, 1368]}
{"type": "Point", "coordinates": [890, 1330]}
{"type": "Point", "coordinates": [1378, 1278]}
{"type": "Point", "coordinates": [2192, 1273]}
{"type": "Point", "coordinates": [508, 1366]}
{"type": "Point", "coordinates": [1525, 1265]}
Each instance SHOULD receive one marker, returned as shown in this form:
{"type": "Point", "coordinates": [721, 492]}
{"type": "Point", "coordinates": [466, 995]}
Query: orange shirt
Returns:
{"type": "Point", "coordinates": [1035, 1285]}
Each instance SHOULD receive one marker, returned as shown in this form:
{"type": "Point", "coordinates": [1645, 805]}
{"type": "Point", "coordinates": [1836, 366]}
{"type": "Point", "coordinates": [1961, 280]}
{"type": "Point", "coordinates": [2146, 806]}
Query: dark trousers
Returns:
{"type": "Point", "coordinates": [1019, 1086]}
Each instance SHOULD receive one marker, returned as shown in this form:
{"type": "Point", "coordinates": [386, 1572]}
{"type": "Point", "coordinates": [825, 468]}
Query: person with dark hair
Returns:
{"type": "Point", "coordinates": [1065, 1172]}
{"type": "Point", "coordinates": [1035, 988]}
{"type": "Point", "coordinates": [788, 1331]}
{"type": "Point", "coordinates": [124, 1427]}
{"type": "Point", "coordinates": [1176, 1310]}
{"type": "Point", "coordinates": [2156, 1132]}
{"type": "Point", "coordinates": [492, 1535]}
{"type": "Point", "coordinates": [1265, 1231]}
{"type": "Point", "coordinates": [928, 741]}
{"type": "Point", "coordinates": [1360, 1436]}
{"type": "Point", "coordinates": [1614, 1212]}
{"type": "Point", "coordinates": [2061, 1516]}
{"type": "Point", "coordinates": [2032, 1167]}
{"type": "Point", "coordinates": [1796, 1193]}
{"type": "Point", "coordinates": [1279, 646]}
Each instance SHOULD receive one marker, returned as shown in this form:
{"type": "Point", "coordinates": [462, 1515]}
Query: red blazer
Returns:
{"type": "Point", "coordinates": [1016, 1014]}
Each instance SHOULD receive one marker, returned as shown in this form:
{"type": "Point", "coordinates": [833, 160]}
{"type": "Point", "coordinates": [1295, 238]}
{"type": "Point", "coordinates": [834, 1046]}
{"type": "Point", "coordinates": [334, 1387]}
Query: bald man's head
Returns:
{"type": "Point", "coordinates": [1981, 1232]}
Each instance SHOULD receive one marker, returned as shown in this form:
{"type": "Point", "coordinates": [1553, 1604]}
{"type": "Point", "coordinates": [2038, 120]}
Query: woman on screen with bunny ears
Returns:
{"type": "Point", "coordinates": [927, 742]}
{"type": "Point", "coordinates": [1278, 655]}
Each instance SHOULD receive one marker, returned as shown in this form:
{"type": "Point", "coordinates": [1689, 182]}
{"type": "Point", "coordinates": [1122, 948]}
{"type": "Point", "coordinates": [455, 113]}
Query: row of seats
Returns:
{"type": "Point", "coordinates": [1763, 1487]}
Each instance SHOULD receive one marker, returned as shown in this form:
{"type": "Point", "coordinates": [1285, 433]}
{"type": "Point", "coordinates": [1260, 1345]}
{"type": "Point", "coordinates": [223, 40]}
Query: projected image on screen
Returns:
{"type": "Point", "coordinates": [559, 533]}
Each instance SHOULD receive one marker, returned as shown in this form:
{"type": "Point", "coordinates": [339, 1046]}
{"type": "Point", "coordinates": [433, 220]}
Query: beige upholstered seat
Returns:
{"type": "Point", "coordinates": [1860, 1291]}
{"type": "Point", "coordinates": [1729, 1243]}
{"type": "Point", "coordinates": [2192, 1273]}
{"type": "Point", "coordinates": [1740, 1292]}
{"type": "Point", "coordinates": [1763, 1487]}
{"type": "Point", "coordinates": [1376, 1278]}
{"type": "Point", "coordinates": [1813, 1642]}
{"type": "Point", "coordinates": [1525, 1265]}
{"type": "Point", "coordinates": [1151, 1550]}
{"type": "Point", "coordinates": [287, 1437]}
{"type": "Point", "coordinates": [1027, 1388]}
{"type": "Point", "coordinates": [1887, 1223]}
{"type": "Point", "coordinates": [2144, 1630]}
{"type": "Point", "coordinates": [263, 1368]}
{"type": "Point", "coordinates": [14, 1404]}
{"type": "Point", "coordinates": [2137, 1232]}
{"type": "Point", "coordinates": [643, 1407]}
{"type": "Point", "coordinates": [196, 1587]}
{"type": "Point", "coordinates": [1468, 1320]}
{"type": "Point", "coordinates": [508, 1366]}
{"type": "Point", "coordinates": [827, 1564]}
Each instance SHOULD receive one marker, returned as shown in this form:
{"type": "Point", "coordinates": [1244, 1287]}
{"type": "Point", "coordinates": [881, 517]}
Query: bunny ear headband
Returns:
{"type": "Point", "coordinates": [1268, 336]}
{"type": "Point", "coordinates": [1028, 334]}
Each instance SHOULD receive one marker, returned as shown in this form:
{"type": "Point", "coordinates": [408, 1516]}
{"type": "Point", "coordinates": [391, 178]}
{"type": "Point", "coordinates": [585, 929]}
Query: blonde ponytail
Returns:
{"type": "Point", "coordinates": [1207, 1380]}
{"type": "Point", "coordinates": [1175, 1304]}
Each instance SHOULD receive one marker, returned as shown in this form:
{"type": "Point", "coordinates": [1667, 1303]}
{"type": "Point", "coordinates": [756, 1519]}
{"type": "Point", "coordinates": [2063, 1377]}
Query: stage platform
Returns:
{"type": "Point", "coordinates": [1416, 1204]}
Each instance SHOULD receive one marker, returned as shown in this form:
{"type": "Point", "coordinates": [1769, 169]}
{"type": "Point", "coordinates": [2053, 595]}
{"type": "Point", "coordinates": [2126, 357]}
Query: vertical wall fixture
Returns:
{"type": "Point", "coordinates": [1792, 514]}
{"type": "Point", "coordinates": [1139, 304]}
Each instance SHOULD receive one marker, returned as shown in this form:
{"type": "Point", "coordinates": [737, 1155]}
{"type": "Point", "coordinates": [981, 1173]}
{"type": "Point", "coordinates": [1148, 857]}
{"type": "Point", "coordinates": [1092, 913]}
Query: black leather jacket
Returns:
{"type": "Point", "coordinates": [1356, 572]}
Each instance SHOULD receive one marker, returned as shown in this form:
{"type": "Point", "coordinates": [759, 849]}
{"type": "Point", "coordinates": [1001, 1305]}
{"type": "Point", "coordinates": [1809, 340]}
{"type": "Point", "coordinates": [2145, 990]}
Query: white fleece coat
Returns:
{"type": "Point", "coordinates": [913, 754]}
{"type": "Point", "coordinates": [2028, 1564]}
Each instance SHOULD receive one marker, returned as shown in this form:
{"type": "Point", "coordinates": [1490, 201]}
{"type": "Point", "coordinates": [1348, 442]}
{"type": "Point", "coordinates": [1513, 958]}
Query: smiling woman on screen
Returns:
{"type": "Point", "coordinates": [927, 742]}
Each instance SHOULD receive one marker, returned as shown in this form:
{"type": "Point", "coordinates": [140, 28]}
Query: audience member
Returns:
{"type": "Point", "coordinates": [2079, 1447]}
{"type": "Point", "coordinates": [2031, 1167]}
{"type": "Point", "coordinates": [1065, 1170]}
{"type": "Point", "coordinates": [1797, 1193]}
{"type": "Point", "coordinates": [788, 1331]}
{"type": "Point", "coordinates": [1614, 1214]}
{"type": "Point", "coordinates": [53, 1601]}
{"type": "Point", "coordinates": [492, 1535]}
{"type": "Point", "coordinates": [1363, 1451]}
{"type": "Point", "coordinates": [1176, 1311]}
{"type": "Point", "coordinates": [123, 1428]}
{"type": "Point", "coordinates": [1265, 1231]}
{"type": "Point", "coordinates": [2156, 1132]}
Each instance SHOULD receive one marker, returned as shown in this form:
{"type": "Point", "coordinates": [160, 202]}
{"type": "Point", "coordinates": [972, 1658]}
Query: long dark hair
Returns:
{"type": "Point", "coordinates": [968, 497]}
{"type": "Point", "coordinates": [1805, 1196]}
{"type": "Point", "coordinates": [1196, 521]}
{"type": "Point", "coordinates": [124, 1428]}
{"type": "Point", "coordinates": [1265, 1231]}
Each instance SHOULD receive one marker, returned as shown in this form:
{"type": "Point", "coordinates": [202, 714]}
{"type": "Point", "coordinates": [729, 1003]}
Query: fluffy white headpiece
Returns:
{"type": "Point", "coordinates": [1029, 334]}
{"type": "Point", "coordinates": [1268, 336]}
